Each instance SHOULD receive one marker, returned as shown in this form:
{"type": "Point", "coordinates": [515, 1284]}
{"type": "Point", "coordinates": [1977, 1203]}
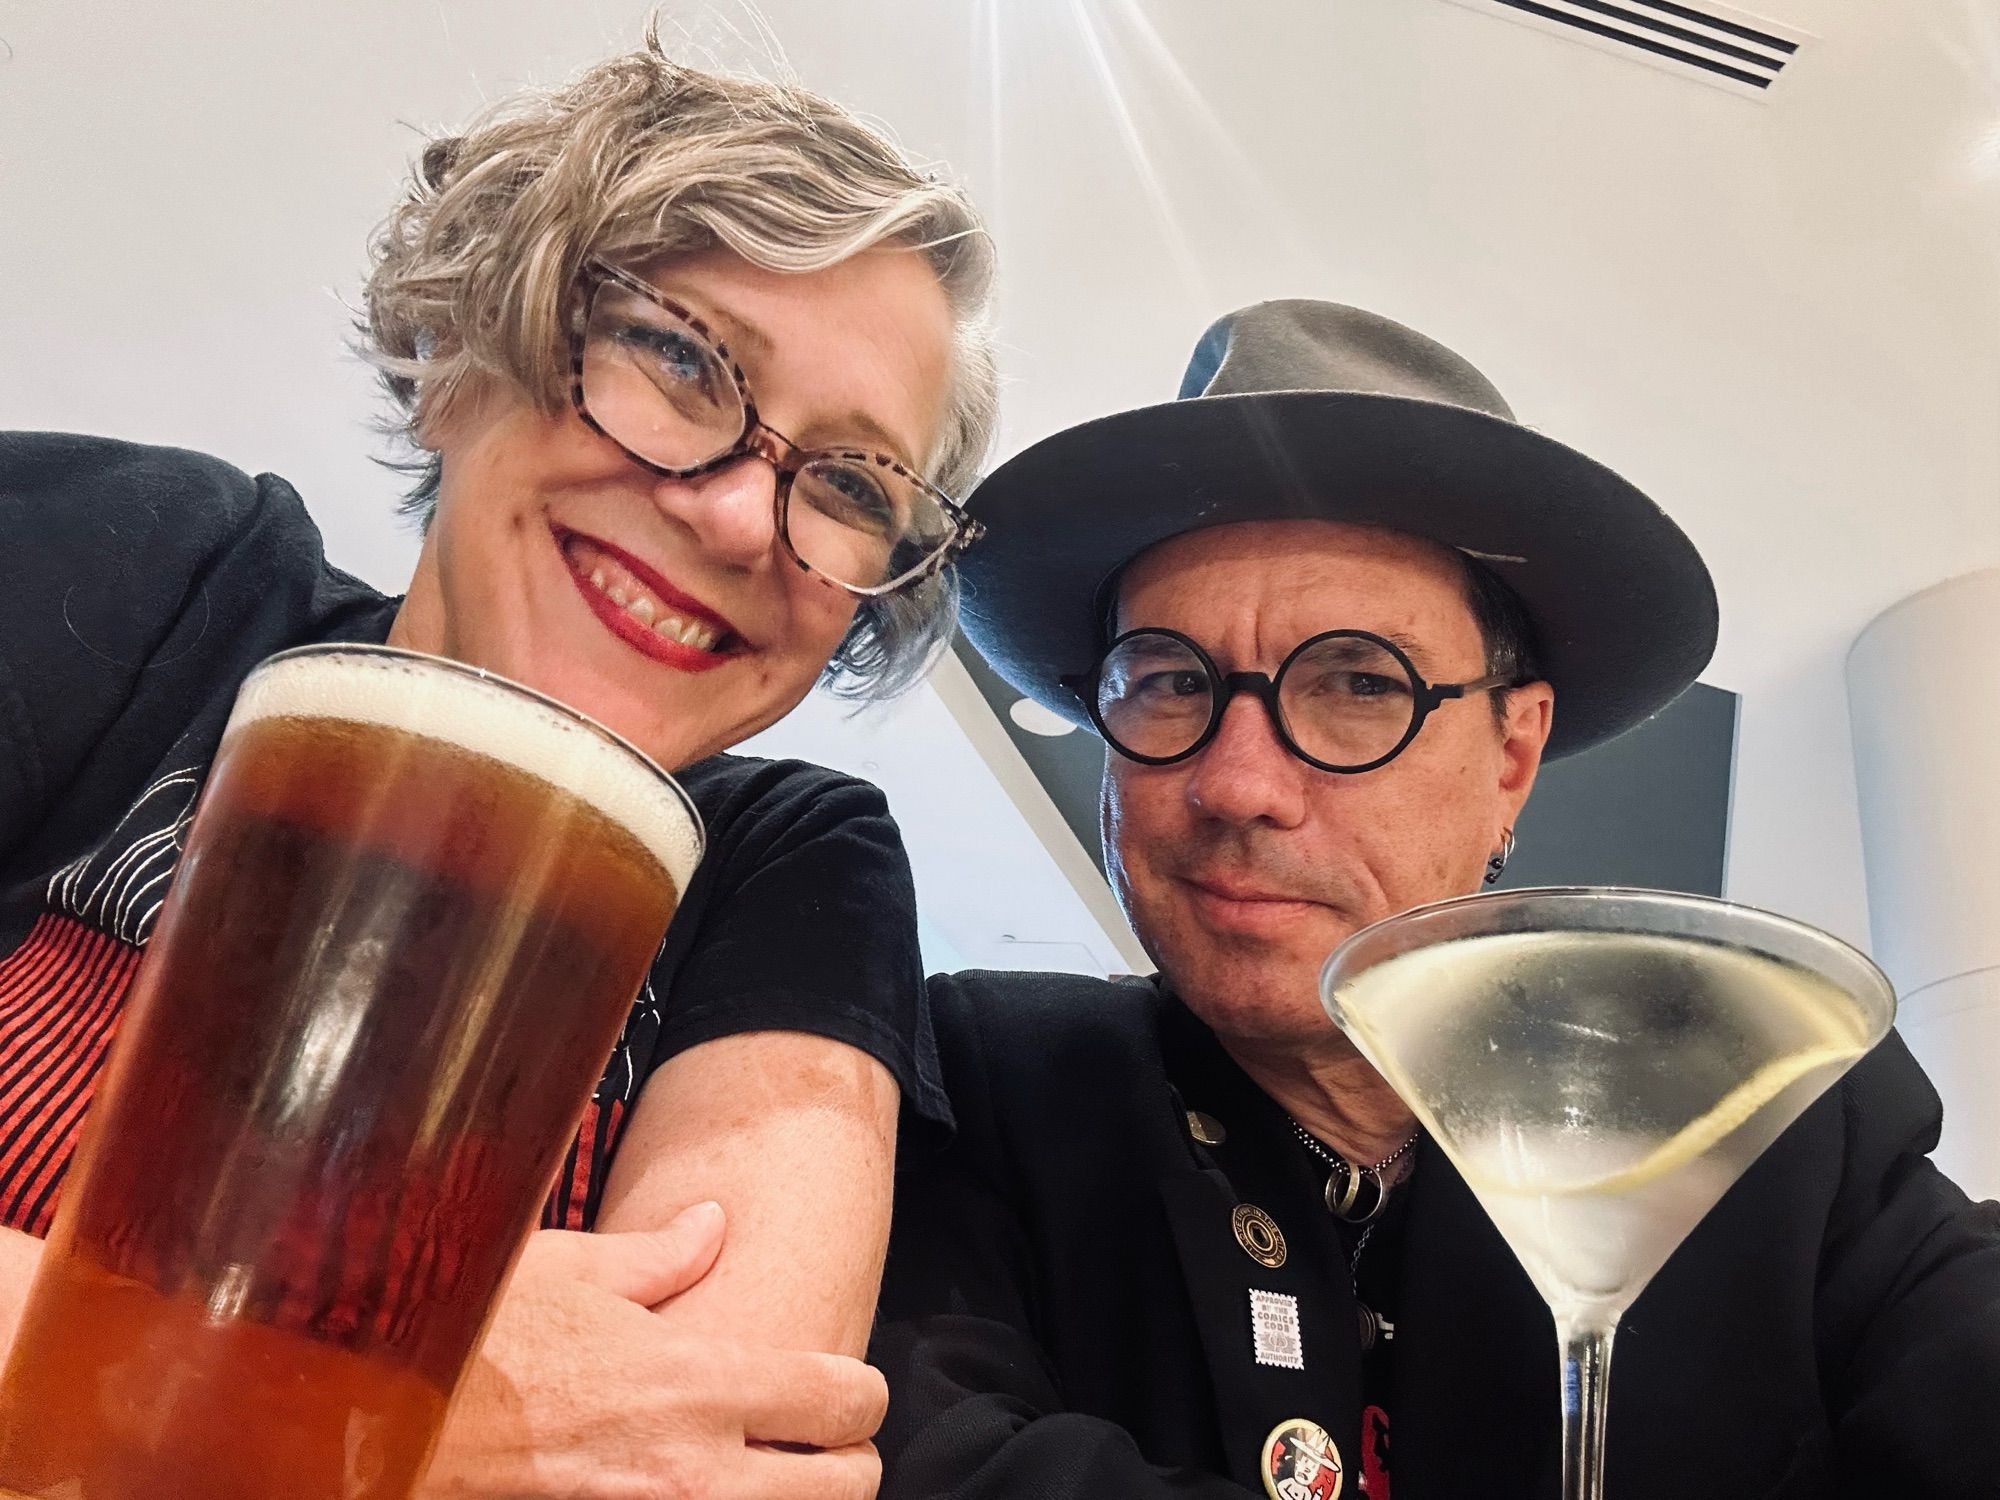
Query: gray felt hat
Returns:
{"type": "Point", "coordinates": [1299, 409]}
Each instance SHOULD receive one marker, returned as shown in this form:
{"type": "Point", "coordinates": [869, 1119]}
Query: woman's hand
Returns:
{"type": "Point", "coordinates": [581, 1393]}
{"type": "Point", "coordinates": [19, 1255]}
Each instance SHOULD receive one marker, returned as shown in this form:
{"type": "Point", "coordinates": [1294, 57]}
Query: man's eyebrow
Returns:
{"type": "Point", "coordinates": [1410, 646]}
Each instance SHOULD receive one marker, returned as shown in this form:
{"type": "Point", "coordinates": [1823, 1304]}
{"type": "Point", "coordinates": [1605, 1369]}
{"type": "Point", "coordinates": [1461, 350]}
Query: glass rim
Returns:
{"type": "Point", "coordinates": [507, 686]}
{"type": "Point", "coordinates": [1860, 976]}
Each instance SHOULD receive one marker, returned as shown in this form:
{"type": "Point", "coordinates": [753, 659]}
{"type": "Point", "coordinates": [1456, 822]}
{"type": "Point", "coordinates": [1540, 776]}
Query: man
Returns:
{"type": "Point", "coordinates": [1331, 609]}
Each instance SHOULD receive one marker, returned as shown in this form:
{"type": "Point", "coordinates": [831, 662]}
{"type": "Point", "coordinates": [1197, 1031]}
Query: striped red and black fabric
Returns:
{"type": "Point", "coordinates": [62, 993]}
{"type": "Point", "coordinates": [580, 1180]}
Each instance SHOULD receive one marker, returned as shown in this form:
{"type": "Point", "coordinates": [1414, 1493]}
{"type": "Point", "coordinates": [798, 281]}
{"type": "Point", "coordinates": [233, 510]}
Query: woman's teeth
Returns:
{"type": "Point", "coordinates": [632, 596]}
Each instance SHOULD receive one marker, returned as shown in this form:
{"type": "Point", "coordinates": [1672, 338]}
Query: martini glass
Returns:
{"type": "Point", "coordinates": [1601, 1065]}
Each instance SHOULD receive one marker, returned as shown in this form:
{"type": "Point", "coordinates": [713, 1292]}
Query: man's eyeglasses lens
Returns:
{"type": "Point", "coordinates": [1344, 699]}
{"type": "Point", "coordinates": [658, 388]}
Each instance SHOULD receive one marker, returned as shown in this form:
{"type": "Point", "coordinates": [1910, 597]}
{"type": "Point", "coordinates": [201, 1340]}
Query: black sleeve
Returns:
{"type": "Point", "coordinates": [975, 1407]}
{"type": "Point", "coordinates": [807, 921]}
{"type": "Point", "coordinates": [1910, 1298]}
{"type": "Point", "coordinates": [118, 565]}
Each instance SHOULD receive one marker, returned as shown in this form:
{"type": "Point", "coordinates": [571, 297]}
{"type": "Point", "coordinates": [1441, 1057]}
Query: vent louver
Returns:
{"type": "Point", "coordinates": [1711, 43]}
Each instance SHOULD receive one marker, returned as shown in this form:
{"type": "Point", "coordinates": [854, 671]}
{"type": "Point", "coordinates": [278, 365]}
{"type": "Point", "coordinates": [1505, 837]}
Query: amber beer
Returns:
{"type": "Point", "coordinates": [414, 910]}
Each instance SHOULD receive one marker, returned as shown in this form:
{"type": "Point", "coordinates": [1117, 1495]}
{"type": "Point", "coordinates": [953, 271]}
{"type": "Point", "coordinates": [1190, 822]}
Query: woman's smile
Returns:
{"type": "Point", "coordinates": [645, 611]}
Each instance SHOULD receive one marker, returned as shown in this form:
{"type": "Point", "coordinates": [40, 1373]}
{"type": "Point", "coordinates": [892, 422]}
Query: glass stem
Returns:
{"type": "Point", "coordinates": [1586, 1374]}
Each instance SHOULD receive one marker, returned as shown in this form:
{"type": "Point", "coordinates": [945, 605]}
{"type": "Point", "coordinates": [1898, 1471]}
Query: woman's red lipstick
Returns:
{"type": "Point", "coordinates": [665, 649]}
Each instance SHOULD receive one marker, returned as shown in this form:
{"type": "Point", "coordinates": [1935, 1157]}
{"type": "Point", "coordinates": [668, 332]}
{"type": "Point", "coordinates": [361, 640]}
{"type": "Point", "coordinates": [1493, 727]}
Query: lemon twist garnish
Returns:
{"type": "Point", "coordinates": [1701, 1136]}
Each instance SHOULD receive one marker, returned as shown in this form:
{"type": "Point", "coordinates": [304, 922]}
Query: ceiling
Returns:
{"type": "Point", "coordinates": [1782, 317]}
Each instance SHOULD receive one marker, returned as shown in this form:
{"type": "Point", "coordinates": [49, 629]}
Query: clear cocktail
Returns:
{"type": "Point", "coordinates": [1601, 1066]}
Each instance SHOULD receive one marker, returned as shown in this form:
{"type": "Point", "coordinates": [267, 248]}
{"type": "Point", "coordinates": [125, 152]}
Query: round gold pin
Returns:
{"type": "Point", "coordinates": [1300, 1462]}
{"type": "Point", "coordinates": [1206, 1128]}
{"type": "Point", "coordinates": [1258, 1233]}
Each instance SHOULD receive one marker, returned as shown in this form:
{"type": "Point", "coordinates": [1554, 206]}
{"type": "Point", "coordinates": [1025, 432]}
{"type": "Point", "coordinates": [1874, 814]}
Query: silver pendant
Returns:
{"type": "Point", "coordinates": [1346, 1198]}
{"type": "Point", "coordinates": [1374, 1327]}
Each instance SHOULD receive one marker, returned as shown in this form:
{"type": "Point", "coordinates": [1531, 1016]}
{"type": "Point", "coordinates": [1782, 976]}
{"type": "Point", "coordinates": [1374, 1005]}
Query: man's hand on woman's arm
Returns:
{"type": "Point", "coordinates": [581, 1393]}
{"type": "Point", "coordinates": [738, 1387]}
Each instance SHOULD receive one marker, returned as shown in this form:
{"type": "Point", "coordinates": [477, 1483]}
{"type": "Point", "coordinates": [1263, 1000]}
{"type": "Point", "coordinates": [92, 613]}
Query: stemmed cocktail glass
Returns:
{"type": "Point", "coordinates": [1601, 1065]}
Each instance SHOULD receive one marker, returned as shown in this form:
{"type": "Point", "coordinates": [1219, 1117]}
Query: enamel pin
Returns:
{"type": "Point", "coordinates": [1300, 1462]}
{"type": "Point", "coordinates": [1258, 1233]}
{"type": "Point", "coordinates": [1274, 1330]}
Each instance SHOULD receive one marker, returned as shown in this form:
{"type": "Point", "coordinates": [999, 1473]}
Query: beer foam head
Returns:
{"type": "Point", "coordinates": [486, 716]}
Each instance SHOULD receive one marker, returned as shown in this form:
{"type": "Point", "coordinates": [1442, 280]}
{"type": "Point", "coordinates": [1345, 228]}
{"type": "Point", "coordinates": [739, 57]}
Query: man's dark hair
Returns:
{"type": "Point", "coordinates": [1504, 629]}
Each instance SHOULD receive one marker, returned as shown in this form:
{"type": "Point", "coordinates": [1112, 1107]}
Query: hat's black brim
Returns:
{"type": "Point", "coordinates": [1622, 605]}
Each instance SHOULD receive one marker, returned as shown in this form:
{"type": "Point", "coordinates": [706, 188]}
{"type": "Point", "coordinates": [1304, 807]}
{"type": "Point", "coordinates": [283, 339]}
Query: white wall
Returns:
{"type": "Point", "coordinates": [1783, 319]}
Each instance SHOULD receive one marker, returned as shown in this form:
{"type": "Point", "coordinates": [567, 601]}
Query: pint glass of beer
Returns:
{"type": "Point", "coordinates": [415, 907]}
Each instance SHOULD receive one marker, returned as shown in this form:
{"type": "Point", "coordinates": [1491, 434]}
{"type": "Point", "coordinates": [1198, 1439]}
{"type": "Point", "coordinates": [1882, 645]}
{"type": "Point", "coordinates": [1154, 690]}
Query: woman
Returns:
{"type": "Point", "coordinates": [678, 352]}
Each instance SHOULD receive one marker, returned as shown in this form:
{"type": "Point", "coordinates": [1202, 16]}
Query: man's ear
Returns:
{"type": "Point", "coordinates": [1524, 734]}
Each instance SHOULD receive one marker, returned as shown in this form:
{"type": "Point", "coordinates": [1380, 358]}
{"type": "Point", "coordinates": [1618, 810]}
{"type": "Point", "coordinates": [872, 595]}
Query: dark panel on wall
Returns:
{"type": "Point", "coordinates": [1070, 767]}
{"type": "Point", "coordinates": [1650, 809]}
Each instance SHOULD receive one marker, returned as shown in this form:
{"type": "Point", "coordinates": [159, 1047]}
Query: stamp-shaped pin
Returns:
{"type": "Point", "coordinates": [1274, 1330]}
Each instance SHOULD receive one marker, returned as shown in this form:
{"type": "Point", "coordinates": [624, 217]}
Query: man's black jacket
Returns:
{"type": "Point", "coordinates": [1066, 1311]}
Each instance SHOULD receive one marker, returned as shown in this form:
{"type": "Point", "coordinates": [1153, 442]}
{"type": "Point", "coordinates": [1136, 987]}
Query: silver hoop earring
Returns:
{"type": "Point", "coordinates": [1497, 865]}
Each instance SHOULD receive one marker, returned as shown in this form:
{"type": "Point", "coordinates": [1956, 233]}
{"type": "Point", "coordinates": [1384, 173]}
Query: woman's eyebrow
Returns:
{"type": "Point", "coordinates": [736, 334]}
{"type": "Point", "coordinates": [853, 426]}
{"type": "Point", "coordinates": [742, 335]}
{"type": "Point", "coordinates": [869, 431]}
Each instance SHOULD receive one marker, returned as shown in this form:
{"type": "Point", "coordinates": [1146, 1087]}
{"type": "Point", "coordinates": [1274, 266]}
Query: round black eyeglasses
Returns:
{"type": "Point", "coordinates": [647, 374]}
{"type": "Point", "coordinates": [1344, 700]}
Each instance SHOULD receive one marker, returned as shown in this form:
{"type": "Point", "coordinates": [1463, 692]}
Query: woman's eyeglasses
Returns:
{"type": "Point", "coordinates": [648, 375]}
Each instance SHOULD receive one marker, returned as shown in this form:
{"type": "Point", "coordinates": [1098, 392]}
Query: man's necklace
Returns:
{"type": "Point", "coordinates": [1354, 1195]}
{"type": "Point", "coordinates": [1345, 1187]}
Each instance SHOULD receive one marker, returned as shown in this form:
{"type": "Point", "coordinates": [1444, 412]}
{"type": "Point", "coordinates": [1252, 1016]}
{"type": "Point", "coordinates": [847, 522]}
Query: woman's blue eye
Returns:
{"type": "Point", "coordinates": [850, 495]}
{"type": "Point", "coordinates": [674, 354]}
{"type": "Point", "coordinates": [857, 487]}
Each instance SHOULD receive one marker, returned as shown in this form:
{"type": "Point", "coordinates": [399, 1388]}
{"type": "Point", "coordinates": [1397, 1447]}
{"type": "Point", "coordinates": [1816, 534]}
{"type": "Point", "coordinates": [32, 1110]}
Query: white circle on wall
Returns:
{"type": "Point", "coordinates": [1031, 716]}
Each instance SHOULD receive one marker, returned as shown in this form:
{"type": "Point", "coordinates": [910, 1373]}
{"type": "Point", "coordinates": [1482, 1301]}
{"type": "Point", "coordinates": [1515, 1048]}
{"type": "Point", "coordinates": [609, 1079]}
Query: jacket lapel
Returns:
{"type": "Point", "coordinates": [1253, 1398]}
{"type": "Point", "coordinates": [1256, 1165]}
{"type": "Point", "coordinates": [1476, 1363]}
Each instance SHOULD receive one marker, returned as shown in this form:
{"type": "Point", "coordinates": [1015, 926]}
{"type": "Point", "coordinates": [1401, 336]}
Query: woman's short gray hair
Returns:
{"type": "Point", "coordinates": [642, 158]}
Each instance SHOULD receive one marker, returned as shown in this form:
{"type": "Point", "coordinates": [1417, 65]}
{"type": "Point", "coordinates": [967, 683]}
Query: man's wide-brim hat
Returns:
{"type": "Point", "coordinates": [1309, 410]}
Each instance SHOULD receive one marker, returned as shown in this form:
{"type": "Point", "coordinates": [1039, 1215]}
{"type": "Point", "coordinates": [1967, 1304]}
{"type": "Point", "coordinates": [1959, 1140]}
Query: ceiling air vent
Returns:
{"type": "Point", "coordinates": [1712, 43]}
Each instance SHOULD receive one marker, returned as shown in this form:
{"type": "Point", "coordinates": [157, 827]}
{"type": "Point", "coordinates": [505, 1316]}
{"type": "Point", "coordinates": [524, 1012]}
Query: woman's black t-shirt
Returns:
{"type": "Point", "coordinates": [138, 586]}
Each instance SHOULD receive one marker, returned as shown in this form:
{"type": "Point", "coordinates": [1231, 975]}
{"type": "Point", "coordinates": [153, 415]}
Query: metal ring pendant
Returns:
{"type": "Point", "coordinates": [1345, 1198]}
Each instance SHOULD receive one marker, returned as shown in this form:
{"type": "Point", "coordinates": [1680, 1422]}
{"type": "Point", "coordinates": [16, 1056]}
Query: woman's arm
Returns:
{"type": "Point", "coordinates": [796, 1035]}
{"type": "Point", "coordinates": [795, 1136]}
{"type": "Point", "coordinates": [579, 1392]}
